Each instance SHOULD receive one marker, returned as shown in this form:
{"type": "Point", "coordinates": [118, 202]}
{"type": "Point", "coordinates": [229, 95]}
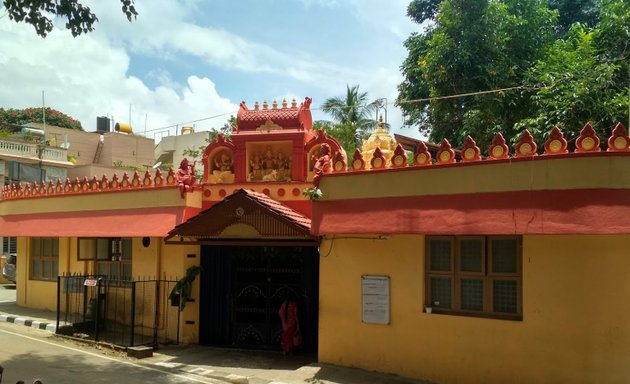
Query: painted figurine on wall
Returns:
{"type": "Point", "coordinates": [223, 162]}
{"type": "Point", "coordinates": [323, 164]}
{"type": "Point", "coordinates": [186, 176]}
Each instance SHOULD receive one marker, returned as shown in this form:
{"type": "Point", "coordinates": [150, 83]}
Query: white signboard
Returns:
{"type": "Point", "coordinates": [375, 299]}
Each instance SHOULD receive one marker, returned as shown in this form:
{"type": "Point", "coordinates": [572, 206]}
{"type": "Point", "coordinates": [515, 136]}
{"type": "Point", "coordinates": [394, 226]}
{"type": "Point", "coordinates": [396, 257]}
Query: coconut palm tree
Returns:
{"type": "Point", "coordinates": [353, 115]}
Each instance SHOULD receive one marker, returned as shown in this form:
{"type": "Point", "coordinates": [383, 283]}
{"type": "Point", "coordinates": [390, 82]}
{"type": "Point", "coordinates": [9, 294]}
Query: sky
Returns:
{"type": "Point", "coordinates": [193, 60]}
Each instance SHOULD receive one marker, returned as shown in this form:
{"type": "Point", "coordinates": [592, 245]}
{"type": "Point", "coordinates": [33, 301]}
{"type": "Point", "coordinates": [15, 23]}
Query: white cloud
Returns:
{"type": "Point", "coordinates": [88, 77]}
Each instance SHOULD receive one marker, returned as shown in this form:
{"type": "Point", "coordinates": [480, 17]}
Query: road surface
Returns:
{"type": "Point", "coordinates": [28, 354]}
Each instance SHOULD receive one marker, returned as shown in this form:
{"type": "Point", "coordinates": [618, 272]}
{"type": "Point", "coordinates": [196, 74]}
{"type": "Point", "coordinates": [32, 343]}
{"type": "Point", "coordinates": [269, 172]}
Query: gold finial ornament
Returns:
{"type": "Point", "coordinates": [284, 103]}
{"type": "Point", "coordinates": [274, 105]}
{"type": "Point", "coordinates": [293, 103]}
{"type": "Point", "coordinates": [256, 106]}
{"type": "Point", "coordinates": [265, 105]}
{"type": "Point", "coordinates": [381, 139]}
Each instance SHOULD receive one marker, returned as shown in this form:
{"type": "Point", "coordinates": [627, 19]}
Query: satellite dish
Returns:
{"type": "Point", "coordinates": [157, 165]}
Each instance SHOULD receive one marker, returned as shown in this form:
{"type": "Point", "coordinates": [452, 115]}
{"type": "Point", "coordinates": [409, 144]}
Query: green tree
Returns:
{"type": "Point", "coordinates": [473, 46]}
{"type": "Point", "coordinates": [13, 118]}
{"type": "Point", "coordinates": [423, 10]}
{"type": "Point", "coordinates": [588, 74]}
{"type": "Point", "coordinates": [575, 11]}
{"type": "Point", "coordinates": [195, 153]}
{"type": "Point", "coordinates": [38, 13]}
{"type": "Point", "coordinates": [353, 117]}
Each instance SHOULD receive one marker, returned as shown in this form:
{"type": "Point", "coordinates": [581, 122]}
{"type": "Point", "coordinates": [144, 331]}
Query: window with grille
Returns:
{"type": "Point", "coordinates": [9, 245]}
{"type": "Point", "coordinates": [44, 258]}
{"type": "Point", "coordinates": [111, 256]}
{"type": "Point", "coordinates": [474, 275]}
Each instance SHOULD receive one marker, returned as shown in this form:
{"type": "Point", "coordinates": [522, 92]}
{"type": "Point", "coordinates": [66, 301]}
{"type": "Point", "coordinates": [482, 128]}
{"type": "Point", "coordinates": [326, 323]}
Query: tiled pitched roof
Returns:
{"type": "Point", "coordinates": [211, 222]}
{"type": "Point", "coordinates": [279, 208]}
{"type": "Point", "coordinates": [286, 117]}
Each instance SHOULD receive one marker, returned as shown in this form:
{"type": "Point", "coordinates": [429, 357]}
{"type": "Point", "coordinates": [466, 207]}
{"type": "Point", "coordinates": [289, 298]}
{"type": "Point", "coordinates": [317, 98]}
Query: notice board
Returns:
{"type": "Point", "coordinates": [375, 299]}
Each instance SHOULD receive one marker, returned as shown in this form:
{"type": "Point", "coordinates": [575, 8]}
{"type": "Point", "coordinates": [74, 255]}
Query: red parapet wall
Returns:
{"type": "Point", "coordinates": [87, 186]}
{"type": "Point", "coordinates": [555, 145]}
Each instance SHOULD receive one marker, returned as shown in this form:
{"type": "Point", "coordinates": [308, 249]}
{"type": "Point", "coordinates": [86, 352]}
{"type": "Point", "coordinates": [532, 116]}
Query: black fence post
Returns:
{"type": "Point", "coordinates": [133, 312]}
{"type": "Point", "coordinates": [156, 319]}
{"type": "Point", "coordinates": [58, 302]}
{"type": "Point", "coordinates": [97, 311]}
{"type": "Point", "coordinates": [179, 316]}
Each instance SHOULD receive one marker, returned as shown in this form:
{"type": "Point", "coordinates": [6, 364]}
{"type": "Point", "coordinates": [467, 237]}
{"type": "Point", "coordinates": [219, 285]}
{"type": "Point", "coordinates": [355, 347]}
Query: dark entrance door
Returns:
{"type": "Point", "coordinates": [242, 289]}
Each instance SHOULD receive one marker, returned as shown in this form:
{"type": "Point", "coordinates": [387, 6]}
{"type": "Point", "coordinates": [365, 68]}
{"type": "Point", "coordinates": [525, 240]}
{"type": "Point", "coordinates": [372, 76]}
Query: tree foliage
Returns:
{"type": "Point", "coordinates": [540, 78]}
{"type": "Point", "coordinates": [575, 11]}
{"type": "Point", "coordinates": [474, 45]}
{"type": "Point", "coordinates": [39, 13]}
{"type": "Point", "coordinates": [353, 117]}
{"type": "Point", "coordinates": [12, 118]}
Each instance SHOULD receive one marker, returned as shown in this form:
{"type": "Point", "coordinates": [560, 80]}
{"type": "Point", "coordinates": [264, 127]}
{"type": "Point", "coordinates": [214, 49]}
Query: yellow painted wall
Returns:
{"type": "Point", "coordinates": [158, 260]}
{"type": "Point", "coordinates": [176, 261]}
{"type": "Point", "coordinates": [541, 173]}
{"type": "Point", "coordinates": [575, 328]}
{"type": "Point", "coordinates": [37, 293]}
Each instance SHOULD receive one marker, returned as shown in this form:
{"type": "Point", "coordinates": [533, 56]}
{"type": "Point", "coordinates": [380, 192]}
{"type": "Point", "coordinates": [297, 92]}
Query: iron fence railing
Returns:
{"type": "Point", "coordinates": [124, 313]}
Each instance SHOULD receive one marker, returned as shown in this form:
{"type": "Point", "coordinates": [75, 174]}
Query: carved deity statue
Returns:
{"type": "Point", "coordinates": [323, 163]}
{"type": "Point", "coordinates": [186, 176]}
{"type": "Point", "coordinates": [223, 162]}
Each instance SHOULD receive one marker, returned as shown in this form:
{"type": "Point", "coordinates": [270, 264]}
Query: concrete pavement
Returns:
{"type": "Point", "coordinates": [226, 365]}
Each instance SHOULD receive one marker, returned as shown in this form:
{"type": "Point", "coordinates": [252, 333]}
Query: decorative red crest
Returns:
{"type": "Point", "coordinates": [399, 160]}
{"type": "Point", "coordinates": [28, 191]}
{"type": "Point", "coordinates": [378, 160]}
{"type": "Point", "coordinates": [159, 179]}
{"type": "Point", "coordinates": [526, 146]}
{"type": "Point", "coordinates": [85, 184]}
{"type": "Point", "coordinates": [556, 143]}
{"type": "Point", "coordinates": [94, 184]}
{"type": "Point", "coordinates": [498, 149]}
{"type": "Point", "coordinates": [115, 181]}
{"type": "Point", "coordinates": [59, 185]}
{"type": "Point", "coordinates": [619, 140]}
{"type": "Point", "coordinates": [422, 155]}
{"type": "Point", "coordinates": [104, 182]}
{"type": "Point", "coordinates": [136, 179]}
{"type": "Point", "coordinates": [67, 187]}
{"type": "Point", "coordinates": [125, 183]}
{"type": "Point", "coordinates": [588, 140]}
{"type": "Point", "coordinates": [147, 179]}
{"type": "Point", "coordinates": [470, 151]}
{"type": "Point", "coordinates": [339, 163]}
{"type": "Point", "coordinates": [170, 178]}
{"type": "Point", "coordinates": [358, 164]}
{"type": "Point", "coordinates": [20, 190]}
{"type": "Point", "coordinates": [445, 154]}
{"type": "Point", "coordinates": [75, 186]}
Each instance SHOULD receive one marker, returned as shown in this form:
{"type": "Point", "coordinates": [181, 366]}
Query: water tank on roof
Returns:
{"type": "Point", "coordinates": [33, 132]}
{"type": "Point", "coordinates": [123, 127]}
{"type": "Point", "coordinates": [102, 124]}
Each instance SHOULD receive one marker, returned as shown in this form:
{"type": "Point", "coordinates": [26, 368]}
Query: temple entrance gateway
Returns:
{"type": "Point", "coordinates": [243, 287]}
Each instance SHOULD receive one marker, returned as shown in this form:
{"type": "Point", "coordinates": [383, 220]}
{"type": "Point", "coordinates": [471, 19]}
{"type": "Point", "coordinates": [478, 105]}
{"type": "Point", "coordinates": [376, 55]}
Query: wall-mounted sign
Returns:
{"type": "Point", "coordinates": [90, 282]}
{"type": "Point", "coordinates": [375, 299]}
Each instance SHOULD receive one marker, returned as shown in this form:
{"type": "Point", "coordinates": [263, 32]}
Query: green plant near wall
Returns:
{"type": "Point", "coordinates": [183, 288]}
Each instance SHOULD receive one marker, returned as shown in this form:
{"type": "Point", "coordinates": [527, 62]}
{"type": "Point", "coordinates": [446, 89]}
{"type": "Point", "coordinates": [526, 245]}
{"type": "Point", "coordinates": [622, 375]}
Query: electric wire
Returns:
{"type": "Point", "coordinates": [386, 103]}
